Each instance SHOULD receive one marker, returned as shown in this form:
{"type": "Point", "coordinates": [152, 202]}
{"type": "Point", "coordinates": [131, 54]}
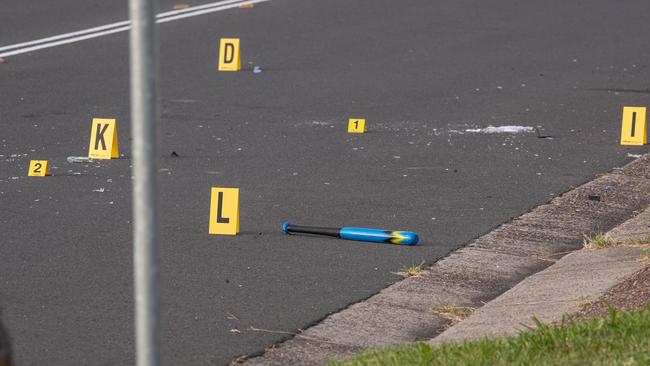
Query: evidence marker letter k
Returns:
{"type": "Point", "coordinates": [99, 136]}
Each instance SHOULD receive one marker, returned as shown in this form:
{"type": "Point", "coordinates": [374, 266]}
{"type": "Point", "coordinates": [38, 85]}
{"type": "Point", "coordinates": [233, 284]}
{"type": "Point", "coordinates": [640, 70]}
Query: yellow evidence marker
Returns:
{"type": "Point", "coordinates": [633, 130]}
{"type": "Point", "coordinates": [38, 168]}
{"type": "Point", "coordinates": [229, 55]}
{"type": "Point", "coordinates": [103, 139]}
{"type": "Point", "coordinates": [356, 125]}
{"type": "Point", "coordinates": [224, 211]}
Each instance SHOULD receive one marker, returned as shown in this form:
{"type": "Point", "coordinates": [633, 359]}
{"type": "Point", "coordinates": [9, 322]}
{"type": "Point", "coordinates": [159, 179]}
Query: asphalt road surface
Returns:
{"type": "Point", "coordinates": [421, 72]}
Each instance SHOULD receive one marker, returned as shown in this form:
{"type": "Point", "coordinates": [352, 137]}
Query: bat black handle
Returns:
{"type": "Point", "coordinates": [327, 231]}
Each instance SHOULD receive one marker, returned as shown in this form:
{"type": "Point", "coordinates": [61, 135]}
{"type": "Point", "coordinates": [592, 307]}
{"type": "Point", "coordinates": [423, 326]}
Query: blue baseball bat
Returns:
{"type": "Point", "coordinates": [356, 233]}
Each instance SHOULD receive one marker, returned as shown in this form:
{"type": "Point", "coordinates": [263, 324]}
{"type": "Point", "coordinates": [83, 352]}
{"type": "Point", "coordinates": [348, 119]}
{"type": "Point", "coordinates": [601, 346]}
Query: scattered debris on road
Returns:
{"type": "Point", "coordinates": [501, 129]}
{"type": "Point", "coordinates": [79, 159]}
{"type": "Point", "coordinates": [540, 136]}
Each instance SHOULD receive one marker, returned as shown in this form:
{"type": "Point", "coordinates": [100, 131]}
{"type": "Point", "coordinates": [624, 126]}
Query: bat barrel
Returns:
{"type": "Point", "coordinates": [380, 236]}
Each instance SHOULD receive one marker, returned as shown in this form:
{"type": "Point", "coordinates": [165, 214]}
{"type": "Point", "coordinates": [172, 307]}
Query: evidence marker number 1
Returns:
{"type": "Point", "coordinates": [356, 233]}
{"type": "Point", "coordinates": [356, 125]}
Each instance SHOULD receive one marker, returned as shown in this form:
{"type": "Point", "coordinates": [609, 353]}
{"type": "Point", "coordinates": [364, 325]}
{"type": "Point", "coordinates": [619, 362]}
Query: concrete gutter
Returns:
{"type": "Point", "coordinates": [476, 274]}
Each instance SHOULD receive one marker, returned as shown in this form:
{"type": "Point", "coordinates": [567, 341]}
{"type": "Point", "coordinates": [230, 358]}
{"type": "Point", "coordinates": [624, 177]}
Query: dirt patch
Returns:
{"type": "Point", "coordinates": [5, 348]}
{"type": "Point", "coordinates": [631, 294]}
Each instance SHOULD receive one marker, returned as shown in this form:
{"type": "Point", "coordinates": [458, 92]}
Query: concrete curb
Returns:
{"type": "Point", "coordinates": [563, 288]}
{"type": "Point", "coordinates": [576, 279]}
{"type": "Point", "coordinates": [472, 275]}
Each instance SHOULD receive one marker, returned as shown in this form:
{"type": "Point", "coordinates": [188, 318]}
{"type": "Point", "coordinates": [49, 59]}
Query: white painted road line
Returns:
{"type": "Point", "coordinates": [117, 27]}
{"type": "Point", "coordinates": [198, 7]}
{"type": "Point", "coordinates": [64, 41]}
{"type": "Point", "coordinates": [209, 10]}
{"type": "Point", "coordinates": [66, 35]}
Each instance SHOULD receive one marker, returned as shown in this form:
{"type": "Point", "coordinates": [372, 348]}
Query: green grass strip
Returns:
{"type": "Point", "coordinates": [621, 338]}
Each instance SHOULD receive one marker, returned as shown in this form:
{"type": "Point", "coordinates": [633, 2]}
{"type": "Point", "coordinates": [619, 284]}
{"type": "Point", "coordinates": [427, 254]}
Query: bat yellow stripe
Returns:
{"type": "Point", "coordinates": [397, 237]}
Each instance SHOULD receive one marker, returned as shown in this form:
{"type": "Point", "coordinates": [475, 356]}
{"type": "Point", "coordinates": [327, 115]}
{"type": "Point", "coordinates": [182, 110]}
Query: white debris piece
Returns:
{"type": "Point", "coordinates": [636, 156]}
{"type": "Point", "coordinates": [502, 129]}
{"type": "Point", "coordinates": [100, 190]}
{"type": "Point", "coordinates": [320, 123]}
{"type": "Point", "coordinates": [78, 159]}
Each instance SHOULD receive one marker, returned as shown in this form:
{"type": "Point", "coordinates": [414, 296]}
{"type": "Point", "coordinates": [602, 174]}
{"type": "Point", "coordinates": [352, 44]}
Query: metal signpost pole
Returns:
{"type": "Point", "coordinates": [145, 187]}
